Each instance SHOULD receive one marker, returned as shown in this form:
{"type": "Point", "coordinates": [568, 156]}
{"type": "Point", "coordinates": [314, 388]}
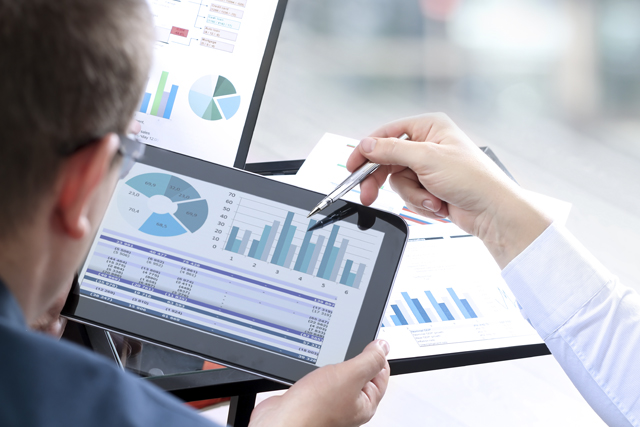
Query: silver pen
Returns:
{"type": "Point", "coordinates": [347, 185]}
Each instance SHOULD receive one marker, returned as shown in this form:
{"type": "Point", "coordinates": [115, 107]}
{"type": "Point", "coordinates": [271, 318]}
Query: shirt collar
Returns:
{"type": "Point", "coordinates": [10, 311]}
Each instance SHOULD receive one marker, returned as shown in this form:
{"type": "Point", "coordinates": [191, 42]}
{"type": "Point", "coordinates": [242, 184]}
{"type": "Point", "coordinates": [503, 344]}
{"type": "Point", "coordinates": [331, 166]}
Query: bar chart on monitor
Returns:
{"type": "Point", "coordinates": [279, 236]}
{"type": "Point", "coordinates": [161, 98]}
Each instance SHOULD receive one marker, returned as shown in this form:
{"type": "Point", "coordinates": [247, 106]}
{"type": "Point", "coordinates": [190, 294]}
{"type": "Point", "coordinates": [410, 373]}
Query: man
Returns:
{"type": "Point", "coordinates": [589, 321]}
{"type": "Point", "coordinates": [71, 75]}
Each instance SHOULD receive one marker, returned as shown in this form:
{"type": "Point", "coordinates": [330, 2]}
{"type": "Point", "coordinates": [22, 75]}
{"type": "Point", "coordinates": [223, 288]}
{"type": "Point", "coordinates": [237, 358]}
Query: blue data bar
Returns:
{"type": "Point", "coordinates": [232, 239]}
{"type": "Point", "coordinates": [435, 305]}
{"type": "Point", "coordinates": [469, 309]}
{"type": "Point", "coordinates": [421, 309]}
{"type": "Point", "coordinates": [446, 311]}
{"type": "Point", "coordinates": [396, 321]}
{"type": "Point", "coordinates": [170, 102]}
{"type": "Point", "coordinates": [413, 308]}
{"type": "Point", "coordinates": [461, 306]}
{"type": "Point", "coordinates": [145, 103]}
{"type": "Point", "coordinates": [399, 314]}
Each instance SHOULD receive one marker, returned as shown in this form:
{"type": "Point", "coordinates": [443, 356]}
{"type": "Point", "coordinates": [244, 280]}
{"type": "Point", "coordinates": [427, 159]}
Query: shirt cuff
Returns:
{"type": "Point", "coordinates": [553, 278]}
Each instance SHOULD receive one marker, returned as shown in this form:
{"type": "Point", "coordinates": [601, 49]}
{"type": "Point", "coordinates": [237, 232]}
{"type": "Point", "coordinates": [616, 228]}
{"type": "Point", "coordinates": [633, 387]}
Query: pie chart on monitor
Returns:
{"type": "Point", "coordinates": [214, 98]}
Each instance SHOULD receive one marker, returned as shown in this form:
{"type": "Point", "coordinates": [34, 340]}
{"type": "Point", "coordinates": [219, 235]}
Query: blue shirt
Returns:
{"type": "Point", "coordinates": [45, 382]}
{"type": "Point", "coordinates": [587, 318]}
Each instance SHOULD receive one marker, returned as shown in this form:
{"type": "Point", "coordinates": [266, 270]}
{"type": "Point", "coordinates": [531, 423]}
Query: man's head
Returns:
{"type": "Point", "coordinates": [71, 72]}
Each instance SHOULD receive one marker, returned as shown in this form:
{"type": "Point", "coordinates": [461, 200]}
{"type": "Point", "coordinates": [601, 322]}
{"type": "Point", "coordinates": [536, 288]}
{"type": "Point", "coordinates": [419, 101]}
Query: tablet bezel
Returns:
{"type": "Point", "coordinates": [231, 353]}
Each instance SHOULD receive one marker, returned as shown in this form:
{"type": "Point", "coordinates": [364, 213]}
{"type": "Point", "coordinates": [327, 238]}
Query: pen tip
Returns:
{"type": "Point", "coordinates": [313, 212]}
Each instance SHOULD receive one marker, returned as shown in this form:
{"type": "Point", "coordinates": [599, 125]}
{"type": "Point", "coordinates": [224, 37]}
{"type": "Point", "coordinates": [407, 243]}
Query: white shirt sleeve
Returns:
{"type": "Point", "coordinates": [589, 321]}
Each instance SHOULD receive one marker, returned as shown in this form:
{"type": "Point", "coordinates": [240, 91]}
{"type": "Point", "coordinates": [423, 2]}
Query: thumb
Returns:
{"type": "Point", "coordinates": [394, 151]}
{"type": "Point", "coordinates": [365, 366]}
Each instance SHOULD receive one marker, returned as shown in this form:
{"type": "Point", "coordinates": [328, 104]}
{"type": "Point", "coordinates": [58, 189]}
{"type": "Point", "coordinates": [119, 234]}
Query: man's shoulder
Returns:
{"type": "Point", "coordinates": [50, 383]}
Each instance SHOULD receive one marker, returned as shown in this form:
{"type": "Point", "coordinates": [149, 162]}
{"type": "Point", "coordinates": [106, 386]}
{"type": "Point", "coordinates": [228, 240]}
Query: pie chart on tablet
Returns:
{"type": "Point", "coordinates": [214, 98]}
{"type": "Point", "coordinates": [162, 205]}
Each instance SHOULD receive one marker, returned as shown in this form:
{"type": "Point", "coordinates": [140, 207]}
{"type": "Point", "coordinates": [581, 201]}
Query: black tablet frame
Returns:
{"type": "Point", "coordinates": [259, 88]}
{"type": "Point", "coordinates": [231, 353]}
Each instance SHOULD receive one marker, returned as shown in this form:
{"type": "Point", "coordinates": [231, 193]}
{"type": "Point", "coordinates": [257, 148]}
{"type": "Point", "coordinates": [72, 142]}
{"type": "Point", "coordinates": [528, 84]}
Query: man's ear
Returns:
{"type": "Point", "coordinates": [80, 176]}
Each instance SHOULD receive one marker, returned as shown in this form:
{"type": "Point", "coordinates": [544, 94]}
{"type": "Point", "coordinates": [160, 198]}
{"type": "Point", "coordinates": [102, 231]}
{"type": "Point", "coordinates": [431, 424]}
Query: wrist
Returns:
{"type": "Point", "coordinates": [510, 225]}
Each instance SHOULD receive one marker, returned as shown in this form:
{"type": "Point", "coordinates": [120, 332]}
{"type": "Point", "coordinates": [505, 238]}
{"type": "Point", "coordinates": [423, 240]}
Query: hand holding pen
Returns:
{"type": "Point", "coordinates": [348, 184]}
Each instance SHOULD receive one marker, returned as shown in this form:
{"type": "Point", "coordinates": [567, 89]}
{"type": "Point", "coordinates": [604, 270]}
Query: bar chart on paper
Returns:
{"type": "Point", "coordinates": [425, 307]}
{"type": "Point", "coordinates": [278, 236]}
{"type": "Point", "coordinates": [163, 99]}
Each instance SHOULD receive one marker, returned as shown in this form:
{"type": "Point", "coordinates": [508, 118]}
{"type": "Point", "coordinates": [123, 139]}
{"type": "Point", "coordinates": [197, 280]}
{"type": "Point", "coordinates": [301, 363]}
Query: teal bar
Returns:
{"type": "Point", "coordinates": [328, 251]}
{"type": "Point", "coordinates": [286, 246]}
{"type": "Point", "coordinates": [304, 247]}
{"type": "Point", "coordinates": [253, 248]}
{"type": "Point", "coordinates": [332, 260]}
{"type": "Point", "coordinates": [232, 239]}
{"type": "Point", "coordinates": [461, 306]}
{"type": "Point", "coordinates": [307, 258]}
{"type": "Point", "coordinates": [275, 259]}
{"type": "Point", "coordinates": [236, 246]}
{"type": "Point", "coordinates": [263, 241]}
{"type": "Point", "coordinates": [351, 279]}
{"type": "Point", "coordinates": [345, 272]}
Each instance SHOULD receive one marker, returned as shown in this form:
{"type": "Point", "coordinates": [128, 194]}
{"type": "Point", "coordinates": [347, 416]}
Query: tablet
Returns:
{"type": "Point", "coordinates": [218, 263]}
{"type": "Point", "coordinates": [211, 62]}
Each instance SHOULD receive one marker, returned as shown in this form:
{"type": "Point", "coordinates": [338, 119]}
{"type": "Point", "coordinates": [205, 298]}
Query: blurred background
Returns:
{"type": "Point", "coordinates": [552, 86]}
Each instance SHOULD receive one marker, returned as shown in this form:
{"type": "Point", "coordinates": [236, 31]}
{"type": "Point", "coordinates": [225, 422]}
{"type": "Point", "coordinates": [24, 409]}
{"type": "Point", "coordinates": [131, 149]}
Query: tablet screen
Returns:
{"type": "Point", "coordinates": [229, 264]}
{"type": "Point", "coordinates": [209, 58]}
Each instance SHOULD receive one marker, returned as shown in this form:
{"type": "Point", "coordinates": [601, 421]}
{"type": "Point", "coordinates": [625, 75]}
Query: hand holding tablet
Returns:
{"type": "Point", "coordinates": [352, 389]}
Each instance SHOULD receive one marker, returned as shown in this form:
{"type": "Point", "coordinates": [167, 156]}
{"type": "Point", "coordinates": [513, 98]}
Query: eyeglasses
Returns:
{"type": "Point", "coordinates": [131, 150]}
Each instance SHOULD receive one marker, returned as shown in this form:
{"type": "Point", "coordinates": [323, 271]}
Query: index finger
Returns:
{"type": "Point", "coordinates": [393, 129]}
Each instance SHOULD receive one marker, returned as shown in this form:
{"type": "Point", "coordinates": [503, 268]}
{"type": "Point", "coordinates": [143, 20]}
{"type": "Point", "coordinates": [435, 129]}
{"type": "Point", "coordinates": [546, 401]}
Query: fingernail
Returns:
{"type": "Point", "coordinates": [439, 215]}
{"type": "Point", "coordinates": [385, 346]}
{"type": "Point", "coordinates": [368, 144]}
{"type": "Point", "coordinates": [428, 204]}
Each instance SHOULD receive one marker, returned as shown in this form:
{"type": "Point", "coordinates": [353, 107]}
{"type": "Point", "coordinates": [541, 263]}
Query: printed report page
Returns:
{"type": "Point", "coordinates": [449, 297]}
{"type": "Point", "coordinates": [206, 62]}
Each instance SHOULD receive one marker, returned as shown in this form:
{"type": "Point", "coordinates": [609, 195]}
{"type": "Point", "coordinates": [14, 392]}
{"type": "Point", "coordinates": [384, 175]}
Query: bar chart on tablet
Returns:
{"type": "Point", "coordinates": [280, 237]}
{"type": "Point", "coordinates": [229, 263]}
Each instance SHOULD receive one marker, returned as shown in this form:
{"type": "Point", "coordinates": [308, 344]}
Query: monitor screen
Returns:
{"type": "Point", "coordinates": [211, 61]}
